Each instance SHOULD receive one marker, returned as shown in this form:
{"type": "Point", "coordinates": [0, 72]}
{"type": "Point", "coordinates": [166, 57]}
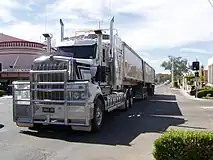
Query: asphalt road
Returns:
{"type": "Point", "coordinates": [126, 135]}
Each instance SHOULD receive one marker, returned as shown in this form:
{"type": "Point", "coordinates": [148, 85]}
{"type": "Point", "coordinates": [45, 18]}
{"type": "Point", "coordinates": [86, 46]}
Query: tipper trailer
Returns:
{"type": "Point", "coordinates": [88, 75]}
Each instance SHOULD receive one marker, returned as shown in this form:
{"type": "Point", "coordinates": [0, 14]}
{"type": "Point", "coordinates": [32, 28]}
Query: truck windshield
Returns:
{"type": "Point", "coordinates": [85, 52]}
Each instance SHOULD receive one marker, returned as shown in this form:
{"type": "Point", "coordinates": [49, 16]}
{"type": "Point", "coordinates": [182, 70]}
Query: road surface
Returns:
{"type": "Point", "coordinates": [126, 135]}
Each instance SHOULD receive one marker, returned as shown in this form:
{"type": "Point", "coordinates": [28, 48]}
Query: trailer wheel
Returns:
{"type": "Point", "coordinates": [130, 97]}
{"type": "Point", "coordinates": [98, 116]}
{"type": "Point", "coordinates": [126, 101]}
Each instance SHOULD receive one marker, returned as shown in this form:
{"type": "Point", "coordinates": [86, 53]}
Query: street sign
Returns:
{"type": "Point", "coordinates": [195, 66]}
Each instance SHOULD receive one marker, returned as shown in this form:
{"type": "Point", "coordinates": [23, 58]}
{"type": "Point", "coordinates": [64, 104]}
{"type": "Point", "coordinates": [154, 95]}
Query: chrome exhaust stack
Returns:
{"type": "Point", "coordinates": [62, 30]}
{"type": "Point", "coordinates": [48, 37]}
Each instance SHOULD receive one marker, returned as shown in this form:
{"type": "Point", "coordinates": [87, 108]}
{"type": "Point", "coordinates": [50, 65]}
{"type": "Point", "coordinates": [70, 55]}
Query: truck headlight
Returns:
{"type": "Point", "coordinates": [26, 94]}
{"type": "Point", "coordinates": [21, 95]}
{"type": "Point", "coordinates": [83, 95]}
{"type": "Point", "coordinates": [78, 95]}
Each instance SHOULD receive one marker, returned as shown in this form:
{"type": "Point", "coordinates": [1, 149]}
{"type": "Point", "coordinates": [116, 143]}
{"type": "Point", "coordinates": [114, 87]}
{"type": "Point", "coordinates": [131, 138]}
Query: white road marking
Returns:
{"type": "Point", "coordinates": [207, 107]}
{"type": "Point", "coordinates": [3, 129]}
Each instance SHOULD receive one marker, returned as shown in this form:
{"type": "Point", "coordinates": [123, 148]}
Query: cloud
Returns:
{"type": "Point", "coordinates": [24, 30]}
{"type": "Point", "coordinates": [5, 10]}
{"type": "Point", "coordinates": [196, 50]}
{"type": "Point", "coordinates": [165, 23]}
{"type": "Point", "coordinates": [174, 23]}
{"type": "Point", "coordinates": [7, 7]}
{"type": "Point", "coordinates": [147, 24]}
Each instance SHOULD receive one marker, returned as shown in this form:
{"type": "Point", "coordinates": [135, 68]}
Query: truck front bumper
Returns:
{"type": "Point", "coordinates": [77, 116]}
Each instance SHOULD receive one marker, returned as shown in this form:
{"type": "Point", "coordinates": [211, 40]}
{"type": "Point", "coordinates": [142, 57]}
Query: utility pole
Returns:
{"type": "Point", "coordinates": [172, 72]}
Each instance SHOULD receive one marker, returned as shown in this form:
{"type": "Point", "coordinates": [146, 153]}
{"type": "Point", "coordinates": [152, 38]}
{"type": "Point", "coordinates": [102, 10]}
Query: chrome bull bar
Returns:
{"type": "Point", "coordinates": [33, 99]}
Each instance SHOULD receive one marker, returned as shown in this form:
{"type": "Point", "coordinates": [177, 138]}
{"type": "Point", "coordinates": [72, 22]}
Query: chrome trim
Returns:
{"type": "Point", "coordinates": [48, 71]}
{"type": "Point", "coordinates": [51, 90]}
{"type": "Point", "coordinates": [61, 123]}
{"type": "Point", "coordinates": [59, 101]}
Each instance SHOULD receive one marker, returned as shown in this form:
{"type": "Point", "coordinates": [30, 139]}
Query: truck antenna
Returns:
{"type": "Point", "coordinates": [99, 24]}
{"type": "Point", "coordinates": [45, 19]}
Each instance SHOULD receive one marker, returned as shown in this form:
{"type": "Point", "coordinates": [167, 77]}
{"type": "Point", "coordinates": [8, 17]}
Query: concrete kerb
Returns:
{"type": "Point", "coordinates": [191, 97]}
{"type": "Point", "coordinates": [6, 96]}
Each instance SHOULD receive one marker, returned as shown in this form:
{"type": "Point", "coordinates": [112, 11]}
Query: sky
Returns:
{"type": "Point", "coordinates": [153, 28]}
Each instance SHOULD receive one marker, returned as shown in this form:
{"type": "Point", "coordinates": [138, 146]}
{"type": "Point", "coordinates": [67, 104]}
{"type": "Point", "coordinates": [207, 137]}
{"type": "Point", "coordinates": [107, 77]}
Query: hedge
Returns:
{"type": "Point", "coordinates": [204, 92]}
{"type": "Point", "coordinates": [2, 92]}
{"type": "Point", "coordinates": [184, 145]}
{"type": "Point", "coordinates": [206, 88]}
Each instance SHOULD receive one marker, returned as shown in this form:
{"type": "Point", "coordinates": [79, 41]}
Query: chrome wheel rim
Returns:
{"type": "Point", "coordinates": [127, 103]}
{"type": "Point", "coordinates": [131, 100]}
{"type": "Point", "coordinates": [98, 116]}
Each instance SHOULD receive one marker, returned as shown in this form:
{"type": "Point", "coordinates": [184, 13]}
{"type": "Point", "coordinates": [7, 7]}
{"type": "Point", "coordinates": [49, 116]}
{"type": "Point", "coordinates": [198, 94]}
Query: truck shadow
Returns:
{"type": "Point", "coordinates": [1, 126]}
{"type": "Point", "coordinates": [154, 115]}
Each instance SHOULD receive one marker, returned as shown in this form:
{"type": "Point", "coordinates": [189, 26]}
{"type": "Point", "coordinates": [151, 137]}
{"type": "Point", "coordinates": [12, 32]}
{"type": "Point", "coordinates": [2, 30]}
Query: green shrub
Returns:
{"type": "Point", "coordinates": [176, 84]}
{"type": "Point", "coordinates": [206, 88]}
{"type": "Point", "coordinates": [208, 95]}
{"type": "Point", "coordinates": [204, 93]}
{"type": "Point", "coordinates": [184, 145]}
{"type": "Point", "coordinates": [2, 93]}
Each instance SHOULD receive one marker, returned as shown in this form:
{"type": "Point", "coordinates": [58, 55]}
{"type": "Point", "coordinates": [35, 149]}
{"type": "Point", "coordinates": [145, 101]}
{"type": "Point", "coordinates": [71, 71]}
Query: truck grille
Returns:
{"type": "Point", "coordinates": [49, 77]}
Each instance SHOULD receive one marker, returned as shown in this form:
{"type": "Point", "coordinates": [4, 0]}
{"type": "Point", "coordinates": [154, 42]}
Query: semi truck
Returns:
{"type": "Point", "coordinates": [89, 74]}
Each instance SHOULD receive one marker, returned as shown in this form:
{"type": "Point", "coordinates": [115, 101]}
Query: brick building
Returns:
{"type": "Point", "coordinates": [16, 57]}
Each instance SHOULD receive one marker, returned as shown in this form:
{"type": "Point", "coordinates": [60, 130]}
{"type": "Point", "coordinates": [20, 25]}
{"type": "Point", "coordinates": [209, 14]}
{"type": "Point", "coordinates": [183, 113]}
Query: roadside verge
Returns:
{"type": "Point", "coordinates": [191, 97]}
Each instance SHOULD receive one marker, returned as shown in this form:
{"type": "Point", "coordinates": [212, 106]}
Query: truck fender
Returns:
{"type": "Point", "coordinates": [101, 97]}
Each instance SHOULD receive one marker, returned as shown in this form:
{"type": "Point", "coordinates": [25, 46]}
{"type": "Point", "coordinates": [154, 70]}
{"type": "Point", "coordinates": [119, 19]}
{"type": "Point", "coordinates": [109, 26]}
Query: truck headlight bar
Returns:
{"type": "Point", "coordinates": [22, 91]}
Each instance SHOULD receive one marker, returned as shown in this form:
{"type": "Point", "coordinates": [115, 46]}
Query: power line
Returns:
{"type": "Point", "coordinates": [210, 3]}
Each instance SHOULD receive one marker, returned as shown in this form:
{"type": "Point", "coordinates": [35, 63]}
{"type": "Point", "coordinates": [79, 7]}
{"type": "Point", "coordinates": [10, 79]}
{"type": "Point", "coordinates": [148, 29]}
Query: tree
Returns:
{"type": "Point", "coordinates": [180, 65]}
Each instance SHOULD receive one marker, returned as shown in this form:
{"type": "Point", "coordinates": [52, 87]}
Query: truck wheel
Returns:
{"type": "Point", "coordinates": [130, 97]}
{"type": "Point", "coordinates": [126, 103]}
{"type": "Point", "coordinates": [98, 116]}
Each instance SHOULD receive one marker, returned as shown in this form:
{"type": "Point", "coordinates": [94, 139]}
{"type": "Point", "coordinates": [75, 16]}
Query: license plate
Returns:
{"type": "Point", "coordinates": [48, 110]}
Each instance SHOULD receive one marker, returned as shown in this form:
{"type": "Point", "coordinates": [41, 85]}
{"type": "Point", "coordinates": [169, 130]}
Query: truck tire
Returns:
{"type": "Point", "coordinates": [130, 98]}
{"type": "Point", "coordinates": [126, 102]}
{"type": "Point", "coordinates": [98, 116]}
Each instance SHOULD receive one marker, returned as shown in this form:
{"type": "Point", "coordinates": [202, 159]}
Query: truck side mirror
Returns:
{"type": "Point", "coordinates": [100, 74]}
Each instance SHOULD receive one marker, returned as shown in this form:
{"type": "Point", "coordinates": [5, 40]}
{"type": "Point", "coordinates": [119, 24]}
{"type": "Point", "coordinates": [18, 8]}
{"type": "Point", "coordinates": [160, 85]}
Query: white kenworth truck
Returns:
{"type": "Point", "coordinates": [88, 75]}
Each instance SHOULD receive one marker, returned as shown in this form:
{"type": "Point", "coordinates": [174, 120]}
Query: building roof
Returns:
{"type": "Point", "coordinates": [7, 38]}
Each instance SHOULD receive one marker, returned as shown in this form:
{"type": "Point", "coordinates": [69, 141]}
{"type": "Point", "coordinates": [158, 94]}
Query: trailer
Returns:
{"type": "Point", "coordinates": [89, 74]}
